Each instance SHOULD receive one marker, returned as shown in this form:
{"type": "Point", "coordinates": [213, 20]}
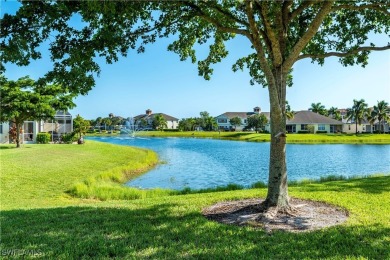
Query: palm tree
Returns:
{"type": "Point", "coordinates": [289, 113]}
{"type": "Point", "coordinates": [318, 108]}
{"type": "Point", "coordinates": [107, 122]}
{"type": "Point", "coordinates": [381, 112]}
{"type": "Point", "coordinates": [334, 113]}
{"type": "Point", "coordinates": [357, 112]}
{"type": "Point", "coordinates": [159, 122]}
{"type": "Point", "coordinates": [371, 117]}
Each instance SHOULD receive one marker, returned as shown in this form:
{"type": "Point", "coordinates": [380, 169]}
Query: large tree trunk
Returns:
{"type": "Point", "coordinates": [277, 183]}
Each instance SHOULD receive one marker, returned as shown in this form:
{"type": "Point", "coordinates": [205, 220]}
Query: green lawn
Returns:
{"type": "Point", "coordinates": [40, 218]}
{"type": "Point", "coordinates": [291, 138]}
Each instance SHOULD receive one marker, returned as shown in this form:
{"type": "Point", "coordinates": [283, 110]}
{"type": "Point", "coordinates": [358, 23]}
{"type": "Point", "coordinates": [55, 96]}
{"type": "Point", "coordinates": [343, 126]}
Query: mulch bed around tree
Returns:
{"type": "Point", "coordinates": [306, 215]}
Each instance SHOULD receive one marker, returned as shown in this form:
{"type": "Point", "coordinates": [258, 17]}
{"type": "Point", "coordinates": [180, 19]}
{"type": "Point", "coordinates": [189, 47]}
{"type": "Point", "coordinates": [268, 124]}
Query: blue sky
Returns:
{"type": "Point", "coordinates": [158, 80]}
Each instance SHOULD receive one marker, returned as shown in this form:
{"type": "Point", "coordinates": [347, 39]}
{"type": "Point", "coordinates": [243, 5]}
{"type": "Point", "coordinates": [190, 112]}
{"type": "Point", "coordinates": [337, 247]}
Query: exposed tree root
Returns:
{"type": "Point", "coordinates": [299, 216]}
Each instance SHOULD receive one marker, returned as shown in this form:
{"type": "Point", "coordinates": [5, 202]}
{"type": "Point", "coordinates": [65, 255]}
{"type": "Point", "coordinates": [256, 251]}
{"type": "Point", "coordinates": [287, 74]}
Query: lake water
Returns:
{"type": "Point", "coordinates": [206, 163]}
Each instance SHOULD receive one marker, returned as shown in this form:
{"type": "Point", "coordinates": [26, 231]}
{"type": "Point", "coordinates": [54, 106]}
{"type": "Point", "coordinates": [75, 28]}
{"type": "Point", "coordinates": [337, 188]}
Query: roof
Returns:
{"type": "Point", "coordinates": [230, 115]}
{"type": "Point", "coordinates": [62, 113]}
{"type": "Point", "coordinates": [166, 117]}
{"type": "Point", "coordinates": [309, 117]}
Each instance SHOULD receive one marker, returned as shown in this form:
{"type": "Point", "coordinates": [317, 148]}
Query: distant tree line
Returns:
{"type": "Point", "coordinates": [357, 113]}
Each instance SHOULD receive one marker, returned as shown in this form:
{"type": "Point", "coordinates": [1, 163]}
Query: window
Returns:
{"type": "Point", "coordinates": [321, 127]}
{"type": "Point", "coordinates": [245, 121]}
{"type": "Point", "coordinates": [349, 127]}
{"type": "Point", "coordinates": [1, 128]}
{"type": "Point", "coordinates": [291, 128]}
{"type": "Point", "coordinates": [303, 127]}
{"type": "Point", "coordinates": [222, 120]}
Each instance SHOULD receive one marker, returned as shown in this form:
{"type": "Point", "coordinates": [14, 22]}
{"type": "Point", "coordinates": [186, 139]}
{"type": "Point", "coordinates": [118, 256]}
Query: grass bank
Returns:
{"type": "Point", "coordinates": [39, 219]}
{"type": "Point", "coordinates": [291, 138]}
{"type": "Point", "coordinates": [45, 174]}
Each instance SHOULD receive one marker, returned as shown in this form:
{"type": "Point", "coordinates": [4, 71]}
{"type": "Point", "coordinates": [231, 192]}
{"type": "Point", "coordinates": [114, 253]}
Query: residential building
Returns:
{"type": "Point", "coordinates": [223, 120]}
{"type": "Point", "coordinates": [303, 119]}
{"type": "Point", "coordinates": [60, 124]}
{"type": "Point", "coordinates": [350, 126]}
{"type": "Point", "coordinates": [365, 127]}
{"type": "Point", "coordinates": [145, 121]}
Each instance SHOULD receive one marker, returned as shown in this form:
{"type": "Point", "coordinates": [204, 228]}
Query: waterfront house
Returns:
{"type": "Point", "coordinates": [144, 121]}
{"type": "Point", "coordinates": [305, 120]}
{"type": "Point", "coordinates": [60, 124]}
{"type": "Point", "coordinates": [223, 120]}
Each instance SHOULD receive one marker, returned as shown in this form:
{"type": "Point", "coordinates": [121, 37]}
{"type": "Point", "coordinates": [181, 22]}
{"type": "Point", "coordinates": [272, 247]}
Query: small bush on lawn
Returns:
{"type": "Point", "coordinates": [171, 130]}
{"type": "Point", "coordinates": [43, 138]}
{"type": "Point", "coordinates": [321, 132]}
{"type": "Point", "coordinates": [68, 138]}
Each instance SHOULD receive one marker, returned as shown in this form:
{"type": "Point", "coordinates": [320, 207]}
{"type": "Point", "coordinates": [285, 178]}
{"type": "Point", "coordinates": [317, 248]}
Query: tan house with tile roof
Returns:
{"type": "Point", "coordinates": [224, 124]}
{"type": "Point", "coordinates": [144, 121]}
{"type": "Point", "coordinates": [303, 119]}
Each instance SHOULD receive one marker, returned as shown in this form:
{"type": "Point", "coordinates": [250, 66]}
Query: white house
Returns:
{"type": "Point", "coordinates": [60, 124]}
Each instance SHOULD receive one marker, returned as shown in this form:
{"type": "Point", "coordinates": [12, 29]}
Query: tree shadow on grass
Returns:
{"type": "Point", "coordinates": [374, 185]}
{"type": "Point", "coordinates": [6, 147]}
{"type": "Point", "coordinates": [169, 231]}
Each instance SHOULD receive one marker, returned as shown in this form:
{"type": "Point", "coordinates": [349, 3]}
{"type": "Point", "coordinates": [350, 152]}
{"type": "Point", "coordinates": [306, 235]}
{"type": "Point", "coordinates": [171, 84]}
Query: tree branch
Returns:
{"type": "Point", "coordinates": [300, 9]}
{"type": "Point", "coordinates": [276, 53]}
{"type": "Point", "coordinates": [343, 54]}
{"type": "Point", "coordinates": [378, 7]}
{"type": "Point", "coordinates": [285, 12]}
{"type": "Point", "coordinates": [308, 35]}
{"type": "Point", "coordinates": [228, 14]}
{"type": "Point", "coordinates": [200, 13]}
{"type": "Point", "coordinates": [261, 56]}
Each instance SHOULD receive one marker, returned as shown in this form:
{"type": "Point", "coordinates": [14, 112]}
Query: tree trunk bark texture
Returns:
{"type": "Point", "coordinates": [277, 183]}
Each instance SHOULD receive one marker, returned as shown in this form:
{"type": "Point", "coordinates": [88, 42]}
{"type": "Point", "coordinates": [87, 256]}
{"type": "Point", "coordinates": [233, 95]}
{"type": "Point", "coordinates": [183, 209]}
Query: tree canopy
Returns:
{"type": "Point", "coordinates": [357, 112]}
{"type": "Point", "coordinates": [235, 121]}
{"type": "Point", "coordinates": [159, 122]}
{"type": "Point", "coordinates": [257, 121]}
{"type": "Point", "coordinates": [80, 126]}
{"type": "Point", "coordinates": [279, 32]}
{"type": "Point", "coordinates": [24, 99]}
{"type": "Point", "coordinates": [319, 109]}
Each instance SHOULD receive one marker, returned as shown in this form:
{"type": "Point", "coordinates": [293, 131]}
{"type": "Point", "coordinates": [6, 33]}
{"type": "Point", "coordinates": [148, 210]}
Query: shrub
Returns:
{"type": "Point", "coordinates": [321, 132]}
{"type": "Point", "coordinates": [68, 138]}
{"type": "Point", "coordinates": [311, 128]}
{"type": "Point", "coordinates": [303, 132]}
{"type": "Point", "coordinates": [43, 138]}
{"type": "Point", "coordinates": [171, 130]}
